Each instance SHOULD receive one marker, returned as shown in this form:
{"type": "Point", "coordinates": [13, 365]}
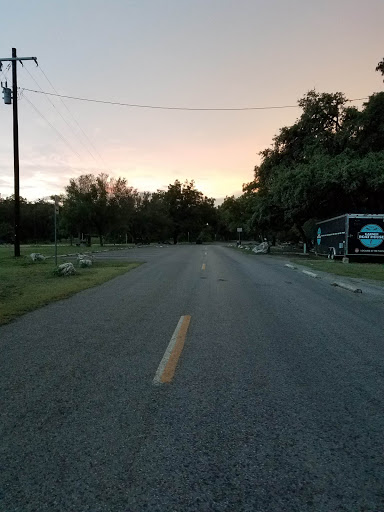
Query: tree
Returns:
{"type": "Point", "coordinates": [328, 162]}
{"type": "Point", "coordinates": [370, 125]}
{"type": "Point", "coordinates": [151, 219]}
{"type": "Point", "coordinates": [189, 210]}
{"type": "Point", "coordinates": [158, 220]}
{"type": "Point", "coordinates": [122, 205]}
{"type": "Point", "coordinates": [233, 213]}
{"type": "Point", "coordinates": [37, 222]}
{"type": "Point", "coordinates": [380, 67]}
{"type": "Point", "coordinates": [86, 205]}
{"type": "Point", "coordinates": [315, 129]}
{"type": "Point", "coordinates": [7, 207]}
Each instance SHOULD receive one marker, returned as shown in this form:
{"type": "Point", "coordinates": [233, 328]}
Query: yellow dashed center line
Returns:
{"type": "Point", "coordinates": [203, 266]}
{"type": "Point", "coordinates": [167, 366]}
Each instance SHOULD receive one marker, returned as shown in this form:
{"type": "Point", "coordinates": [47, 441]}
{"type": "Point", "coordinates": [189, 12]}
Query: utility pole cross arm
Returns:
{"type": "Point", "coordinates": [17, 58]}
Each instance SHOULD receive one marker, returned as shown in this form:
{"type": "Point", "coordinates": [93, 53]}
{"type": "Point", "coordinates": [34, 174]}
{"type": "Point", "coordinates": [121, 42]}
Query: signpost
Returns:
{"type": "Point", "coordinates": [239, 230]}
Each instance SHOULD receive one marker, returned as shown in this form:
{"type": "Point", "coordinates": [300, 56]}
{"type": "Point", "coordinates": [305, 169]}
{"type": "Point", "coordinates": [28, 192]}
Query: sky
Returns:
{"type": "Point", "coordinates": [173, 53]}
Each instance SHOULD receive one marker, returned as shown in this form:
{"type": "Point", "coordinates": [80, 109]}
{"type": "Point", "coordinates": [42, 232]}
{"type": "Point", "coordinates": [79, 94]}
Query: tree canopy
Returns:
{"type": "Point", "coordinates": [380, 67]}
{"type": "Point", "coordinates": [329, 162]}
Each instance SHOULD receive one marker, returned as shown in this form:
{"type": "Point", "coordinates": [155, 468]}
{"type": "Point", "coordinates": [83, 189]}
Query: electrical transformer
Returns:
{"type": "Point", "coordinates": [7, 95]}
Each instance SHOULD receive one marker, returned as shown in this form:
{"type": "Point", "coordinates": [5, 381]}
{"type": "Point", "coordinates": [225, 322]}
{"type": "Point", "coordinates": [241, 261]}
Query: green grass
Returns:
{"type": "Point", "coordinates": [373, 271]}
{"type": "Point", "coordinates": [49, 249]}
{"type": "Point", "coordinates": [25, 286]}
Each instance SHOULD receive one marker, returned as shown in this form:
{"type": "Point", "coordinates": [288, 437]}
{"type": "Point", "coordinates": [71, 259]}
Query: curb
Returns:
{"type": "Point", "coordinates": [347, 287]}
{"type": "Point", "coordinates": [311, 274]}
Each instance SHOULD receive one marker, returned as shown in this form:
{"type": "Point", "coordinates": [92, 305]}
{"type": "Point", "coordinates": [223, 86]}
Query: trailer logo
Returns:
{"type": "Point", "coordinates": [371, 236]}
{"type": "Point", "coordinates": [319, 236]}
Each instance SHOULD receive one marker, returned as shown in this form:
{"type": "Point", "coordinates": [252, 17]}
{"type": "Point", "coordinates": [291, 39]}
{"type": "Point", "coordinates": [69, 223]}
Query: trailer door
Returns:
{"type": "Point", "coordinates": [366, 236]}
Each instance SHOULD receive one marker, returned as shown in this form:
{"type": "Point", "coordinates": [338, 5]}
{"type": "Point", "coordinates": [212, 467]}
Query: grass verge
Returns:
{"type": "Point", "coordinates": [374, 271]}
{"type": "Point", "coordinates": [49, 249]}
{"type": "Point", "coordinates": [25, 286]}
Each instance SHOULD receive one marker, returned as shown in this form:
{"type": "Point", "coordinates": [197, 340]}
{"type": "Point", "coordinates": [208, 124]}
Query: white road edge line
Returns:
{"type": "Point", "coordinates": [347, 287]}
{"type": "Point", "coordinates": [290, 266]}
{"type": "Point", "coordinates": [167, 353]}
{"type": "Point", "coordinates": [308, 273]}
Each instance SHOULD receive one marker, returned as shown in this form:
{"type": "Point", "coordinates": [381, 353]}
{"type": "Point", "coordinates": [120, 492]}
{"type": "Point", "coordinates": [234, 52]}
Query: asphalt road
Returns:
{"type": "Point", "coordinates": [276, 403]}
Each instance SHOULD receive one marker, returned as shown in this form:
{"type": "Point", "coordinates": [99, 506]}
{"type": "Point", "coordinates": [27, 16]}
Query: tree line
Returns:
{"type": "Point", "coordinates": [108, 208]}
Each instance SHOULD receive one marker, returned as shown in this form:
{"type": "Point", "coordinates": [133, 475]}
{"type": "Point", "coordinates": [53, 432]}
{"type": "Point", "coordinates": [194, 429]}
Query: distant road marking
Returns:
{"type": "Point", "coordinates": [203, 266]}
{"type": "Point", "coordinates": [348, 287]}
{"type": "Point", "coordinates": [308, 273]}
{"type": "Point", "coordinates": [167, 366]}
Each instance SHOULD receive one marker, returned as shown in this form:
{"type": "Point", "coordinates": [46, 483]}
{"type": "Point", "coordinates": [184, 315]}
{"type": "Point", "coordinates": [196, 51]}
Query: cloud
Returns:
{"type": "Point", "coordinates": [41, 174]}
{"type": "Point", "coordinates": [6, 181]}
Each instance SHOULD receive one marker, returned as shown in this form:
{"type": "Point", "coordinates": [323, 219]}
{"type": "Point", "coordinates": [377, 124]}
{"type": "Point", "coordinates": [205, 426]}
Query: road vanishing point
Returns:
{"type": "Point", "coordinates": [206, 379]}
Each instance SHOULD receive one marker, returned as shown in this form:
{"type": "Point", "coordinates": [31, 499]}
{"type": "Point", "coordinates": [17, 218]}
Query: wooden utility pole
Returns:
{"type": "Point", "coordinates": [56, 213]}
{"type": "Point", "coordinates": [16, 168]}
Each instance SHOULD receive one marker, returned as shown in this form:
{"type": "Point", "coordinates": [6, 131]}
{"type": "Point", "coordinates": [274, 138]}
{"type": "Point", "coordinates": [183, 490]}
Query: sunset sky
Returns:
{"type": "Point", "coordinates": [174, 53]}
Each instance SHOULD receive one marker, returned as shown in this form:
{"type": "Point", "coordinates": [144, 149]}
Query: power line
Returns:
{"type": "Point", "coordinates": [60, 114]}
{"type": "Point", "coordinates": [6, 72]}
{"type": "Point", "coordinates": [359, 99]}
{"type": "Point", "coordinates": [53, 128]}
{"type": "Point", "coordinates": [73, 117]}
{"type": "Point", "coordinates": [161, 107]}
{"type": "Point", "coordinates": [133, 105]}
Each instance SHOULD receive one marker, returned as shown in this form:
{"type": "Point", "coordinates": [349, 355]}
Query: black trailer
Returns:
{"type": "Point", "coordinates": [351, 235]}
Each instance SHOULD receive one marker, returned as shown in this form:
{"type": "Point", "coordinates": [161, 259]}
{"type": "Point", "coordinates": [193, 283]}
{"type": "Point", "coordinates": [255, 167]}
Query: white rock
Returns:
{"type": "Point", "coordinates": [36, 256]}
{"type": "Point", "coordinates": [261, 248]}
{"type": "Point", "coordinates": [85, 263]}
{"type": "Point", "coordinates": [66, 269]}
{"type": "Point", "coordinates": [84, 257]}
